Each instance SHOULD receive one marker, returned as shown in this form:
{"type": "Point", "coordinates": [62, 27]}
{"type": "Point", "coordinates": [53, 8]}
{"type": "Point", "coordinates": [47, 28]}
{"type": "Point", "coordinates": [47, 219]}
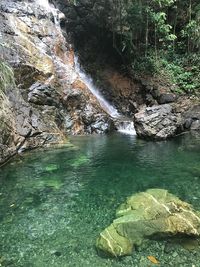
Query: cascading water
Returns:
{"type": "Point", "coordinates": [50, 9]}
{"type": "Point", "coordinates": [93, 89]}
{"type": "Point", "coordinates": [124, 125]}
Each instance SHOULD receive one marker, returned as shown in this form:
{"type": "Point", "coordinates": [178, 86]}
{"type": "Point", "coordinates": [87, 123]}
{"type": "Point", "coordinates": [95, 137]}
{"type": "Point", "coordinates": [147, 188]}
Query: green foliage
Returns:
{"type": "Point", "coordinates": [146, 64]}
{"type": "Point", "coordinates": [161, 36]}
{"type": "Point", "coordinates": [192, 32]}
{"type": "Point", "coordinates": [164, 3]}
{"type": "Point", "coordinates": [145, 24]}
{"type": "Point", "coordinates": [6, 76]}
{"type": "Point", "coordinates": [183, 72]}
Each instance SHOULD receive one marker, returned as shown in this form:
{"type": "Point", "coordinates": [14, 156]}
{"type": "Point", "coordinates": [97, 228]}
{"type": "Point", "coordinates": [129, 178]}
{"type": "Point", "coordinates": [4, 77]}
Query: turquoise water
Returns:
{"type": "Point", "coordinates": [54, 203]}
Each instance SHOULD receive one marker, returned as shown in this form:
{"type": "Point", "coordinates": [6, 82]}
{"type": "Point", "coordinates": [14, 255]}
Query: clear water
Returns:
{"type": "Point", "coordinates": [53, 204]}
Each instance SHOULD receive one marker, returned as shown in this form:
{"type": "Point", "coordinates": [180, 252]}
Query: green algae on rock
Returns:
{"type": "Point", "coordinates": [82, 160]}
{"type": "Point", "coordinates": [155, 212]}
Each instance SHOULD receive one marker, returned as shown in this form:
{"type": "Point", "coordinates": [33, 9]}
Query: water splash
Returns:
{"type": "Point", "coordinates": [127, 127]}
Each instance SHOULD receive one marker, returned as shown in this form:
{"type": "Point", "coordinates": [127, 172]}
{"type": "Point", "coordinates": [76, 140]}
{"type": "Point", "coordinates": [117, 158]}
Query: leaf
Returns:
{"type": "Point", "coordinates": [153, 259]}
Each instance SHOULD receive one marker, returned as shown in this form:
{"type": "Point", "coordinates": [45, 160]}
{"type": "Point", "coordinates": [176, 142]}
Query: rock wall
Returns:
{"type": "Point", "coordinates": [48, 100]}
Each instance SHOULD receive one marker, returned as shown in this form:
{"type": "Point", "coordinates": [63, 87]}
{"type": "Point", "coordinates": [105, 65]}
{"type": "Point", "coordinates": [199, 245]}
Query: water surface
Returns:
{"type": "Point", "coordinates": [53, 204]}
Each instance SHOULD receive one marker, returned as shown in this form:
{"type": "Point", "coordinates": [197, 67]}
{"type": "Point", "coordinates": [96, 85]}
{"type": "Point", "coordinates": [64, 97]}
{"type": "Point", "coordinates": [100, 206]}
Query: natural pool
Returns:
{"type": "Point", "coordinates": [54, 203]}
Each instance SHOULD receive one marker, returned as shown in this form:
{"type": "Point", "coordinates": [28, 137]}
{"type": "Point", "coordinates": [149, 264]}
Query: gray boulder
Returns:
{"type": "Point", "coordinates": [157, 122]}
{"type": "Point", "coordinates": [192, 118]}
{"type": "Point", "coordinates": [166, 98]}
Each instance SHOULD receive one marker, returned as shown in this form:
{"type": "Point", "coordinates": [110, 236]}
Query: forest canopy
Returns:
{"type": "Point", "coordinates": [157, 34]}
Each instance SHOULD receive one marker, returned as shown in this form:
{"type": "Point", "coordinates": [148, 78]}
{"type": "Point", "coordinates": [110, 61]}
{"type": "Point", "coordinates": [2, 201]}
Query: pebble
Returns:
{"type": "Point", "coordinates": [175, 254]}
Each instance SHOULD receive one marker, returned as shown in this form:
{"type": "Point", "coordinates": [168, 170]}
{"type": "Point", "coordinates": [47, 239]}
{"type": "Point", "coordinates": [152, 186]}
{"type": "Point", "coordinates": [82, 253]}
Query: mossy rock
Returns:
{"type": "Point", "coordinates": [6, 76]}
{"type": "Point", "coordinates": [51, 167]}
{"type": "Point", "coordinates": [81, 160]}
{"type": "Point", "coordinates": [54, 183]}
{"type": "Point", "coordinates": [152, 213]}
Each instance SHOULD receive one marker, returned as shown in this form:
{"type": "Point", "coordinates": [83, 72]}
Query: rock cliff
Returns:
{"type": "Point", "coordinates": [47, 99]}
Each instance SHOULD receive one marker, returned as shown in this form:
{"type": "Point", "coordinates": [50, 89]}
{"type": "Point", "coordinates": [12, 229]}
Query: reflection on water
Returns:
{"type": "Point", "coordinates": [54, 203]}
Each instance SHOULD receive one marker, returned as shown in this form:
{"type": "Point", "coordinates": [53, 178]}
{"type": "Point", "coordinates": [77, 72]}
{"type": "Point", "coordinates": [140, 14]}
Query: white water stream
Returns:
{"type": "Point", "coordinates": [124, 125]}
{"type": "Point", "coordinates": [94, 90]}
{"type": "Point", "coordinates": [50, 9]}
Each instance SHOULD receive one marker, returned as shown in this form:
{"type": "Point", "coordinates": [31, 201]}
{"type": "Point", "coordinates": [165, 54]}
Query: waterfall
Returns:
{"type": "Point", "coordinates": [124, 125]}
{"type": "Point", "coordinates": [44, 3]}
{"type": "Point", "coordinates": [50, 9]}
{"type": "Point", "coordinates": [94, 90]}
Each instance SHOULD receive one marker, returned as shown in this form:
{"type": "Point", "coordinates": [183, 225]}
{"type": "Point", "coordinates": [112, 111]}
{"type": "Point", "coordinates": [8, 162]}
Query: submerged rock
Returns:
{"type": "Point", "coordinates": [157, 122]}
{"type": "Point", "coordinates": [154, 213]}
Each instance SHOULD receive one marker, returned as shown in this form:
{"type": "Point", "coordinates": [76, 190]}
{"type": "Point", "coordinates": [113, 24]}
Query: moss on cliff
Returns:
{"type": "Point", "coordinates": [6, 76]}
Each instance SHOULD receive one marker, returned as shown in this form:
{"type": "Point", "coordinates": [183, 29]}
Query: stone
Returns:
{"type": "Point", "coordinates": [195, 125]}
{"type": "Point", "coordinates": [154, 213]}
{"type": "Point", "coordinates": [188, 123]}
{"type": "Point", "coordinates": [155, 93]}
{"type": "Point", "coordinates": [166, 98]}
{"type": "Point", "coordinates": [8, 137]}
{"type": "Point", "coordinates": [42, 94]}
{"type": "Point", "coordinates": [149, 100]}
{"type": "Point", "coordinates": [157, 122]}
{"type": "Point", "coordinates": [192, 118]}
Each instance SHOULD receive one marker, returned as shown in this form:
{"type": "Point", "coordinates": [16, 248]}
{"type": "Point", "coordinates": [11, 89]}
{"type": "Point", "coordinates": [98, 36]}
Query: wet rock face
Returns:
{"type": "Point", "coordinates": [157, 122]}
{"type": "Point", "coordinates": [144, 215]}
{"type": "Point", "coordinates": [8, 136]}
{"type": "Point", "coordinates": [48, 100]}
